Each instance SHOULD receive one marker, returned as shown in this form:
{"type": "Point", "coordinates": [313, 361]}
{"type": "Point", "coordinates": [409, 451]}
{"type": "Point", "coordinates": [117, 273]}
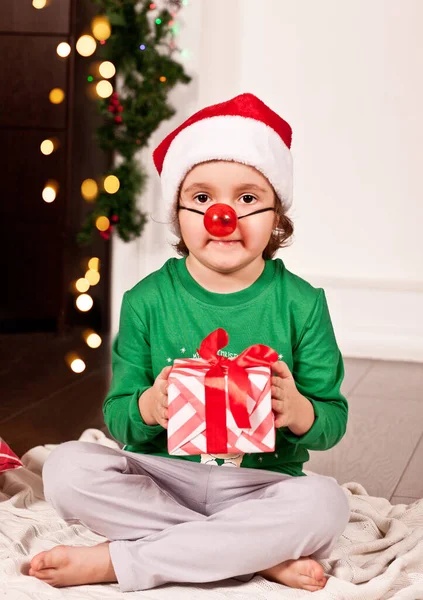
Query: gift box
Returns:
{"type": "Point", "coordinates": [221, 405]}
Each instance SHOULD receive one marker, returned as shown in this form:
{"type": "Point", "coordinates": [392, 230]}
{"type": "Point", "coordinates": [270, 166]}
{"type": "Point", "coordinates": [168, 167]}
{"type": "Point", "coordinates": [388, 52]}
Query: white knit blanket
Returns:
{"type": "Point", "coordinates": [379, 556]}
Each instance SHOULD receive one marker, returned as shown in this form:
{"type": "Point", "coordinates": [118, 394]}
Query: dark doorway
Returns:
{"type": "Point", "coordinates": [40, 257]}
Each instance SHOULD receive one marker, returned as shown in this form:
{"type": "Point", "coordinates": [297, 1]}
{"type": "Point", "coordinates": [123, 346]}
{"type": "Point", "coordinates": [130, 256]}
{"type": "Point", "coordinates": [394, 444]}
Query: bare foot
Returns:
{"type": "Point", "coordinates": [304, 573]}
{"type": "Point", "coordinates": [74, 565]}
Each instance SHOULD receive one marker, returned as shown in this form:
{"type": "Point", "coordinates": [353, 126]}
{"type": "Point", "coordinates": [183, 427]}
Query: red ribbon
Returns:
{"type": "Point", "coordinates": [238, 386]}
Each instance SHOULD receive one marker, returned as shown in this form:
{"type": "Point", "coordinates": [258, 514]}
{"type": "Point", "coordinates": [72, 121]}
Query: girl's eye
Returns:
{"type": "Point", "coordinates": [204, 198]}
{"type": "Point", "coordinates": [248, 199]}
{"type": "Point", "coordinates": [201, 198]}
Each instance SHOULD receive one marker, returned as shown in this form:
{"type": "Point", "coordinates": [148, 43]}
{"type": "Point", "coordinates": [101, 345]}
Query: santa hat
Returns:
{"type": "Point", "coordinates": [243, 129]}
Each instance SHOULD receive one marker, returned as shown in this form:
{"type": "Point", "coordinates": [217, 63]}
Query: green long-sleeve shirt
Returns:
{"type": "Point", "coordinates": [167, 315]}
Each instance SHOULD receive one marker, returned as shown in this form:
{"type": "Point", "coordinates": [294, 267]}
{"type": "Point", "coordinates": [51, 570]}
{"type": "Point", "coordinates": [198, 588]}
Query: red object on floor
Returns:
{"type": "Point", "coordinates": [8, 459]}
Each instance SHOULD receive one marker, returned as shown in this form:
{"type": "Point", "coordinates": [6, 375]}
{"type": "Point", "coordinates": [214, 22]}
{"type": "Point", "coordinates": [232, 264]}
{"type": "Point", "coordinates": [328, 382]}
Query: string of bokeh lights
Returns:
{"type": "Point", "coordinates": [102, 72]}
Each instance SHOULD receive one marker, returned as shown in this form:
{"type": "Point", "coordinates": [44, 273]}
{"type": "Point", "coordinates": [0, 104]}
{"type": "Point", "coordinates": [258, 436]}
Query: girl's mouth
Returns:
{"type": "Point", "coordinates": [223, 243]}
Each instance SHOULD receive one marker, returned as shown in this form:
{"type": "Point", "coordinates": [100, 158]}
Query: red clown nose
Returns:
{"type": "Point", "coordinates": [220, 220]}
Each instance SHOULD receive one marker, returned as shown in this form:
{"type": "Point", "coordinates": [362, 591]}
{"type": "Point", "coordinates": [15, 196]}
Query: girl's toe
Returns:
{"type": "Point", "coordinates": [312, 588]}
{"type": "Point", "coordinates": [38, 561]}
{"type": "Point", "coordinates": [45, 574]}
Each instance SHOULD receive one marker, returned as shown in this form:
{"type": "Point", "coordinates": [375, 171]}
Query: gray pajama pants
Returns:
{"type": "Point", "coordinates": [172, 520]}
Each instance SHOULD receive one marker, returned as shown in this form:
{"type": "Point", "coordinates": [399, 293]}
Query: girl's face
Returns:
{"type": "Point", "coordinates": [246, 190]}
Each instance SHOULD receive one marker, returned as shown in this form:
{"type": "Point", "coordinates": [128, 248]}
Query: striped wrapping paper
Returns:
{"type": "Point", "coordinates": [8, 459]}
{"type": "Point", "coordinates": [186, 404]}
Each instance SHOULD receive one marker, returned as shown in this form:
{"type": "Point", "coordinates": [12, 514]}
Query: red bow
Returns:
{"type": "Point", "coordinates": [238, 386]}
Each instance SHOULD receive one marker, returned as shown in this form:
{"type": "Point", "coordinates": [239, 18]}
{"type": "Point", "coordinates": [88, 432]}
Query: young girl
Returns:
{"type": "Point", "coordinates": [186, 518]}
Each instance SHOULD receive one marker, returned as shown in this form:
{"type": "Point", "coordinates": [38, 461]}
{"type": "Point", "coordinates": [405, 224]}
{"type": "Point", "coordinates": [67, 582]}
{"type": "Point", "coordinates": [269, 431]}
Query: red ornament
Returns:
{"type": "Point", "coordinates": [114, 219]}
{"type": "Point", "coordinates": [120, 108]}
{"type": "Point", "coordinates": [111, 108]}
{"type": "Point", "coordinates": [220, 220]}
{"type": "Point", "coordinates": [118, 119]}
{"type": "Point", "coordinates": [138, 142]}
{"type": "Point", "coordinates": [105, 235]}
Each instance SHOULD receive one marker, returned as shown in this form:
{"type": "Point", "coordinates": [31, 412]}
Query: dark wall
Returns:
{"type": "Point", "coordinates": [40, 257]}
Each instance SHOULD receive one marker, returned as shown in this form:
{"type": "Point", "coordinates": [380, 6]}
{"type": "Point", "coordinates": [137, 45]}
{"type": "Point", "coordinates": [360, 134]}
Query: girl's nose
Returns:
{"type": "Point", "coordinates": [220, 220]}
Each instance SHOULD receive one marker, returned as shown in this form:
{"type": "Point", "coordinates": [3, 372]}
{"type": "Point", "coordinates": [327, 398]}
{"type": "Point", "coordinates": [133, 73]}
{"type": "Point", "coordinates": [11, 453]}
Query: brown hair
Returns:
{"type": "Point", "coordinates": [280, 237]}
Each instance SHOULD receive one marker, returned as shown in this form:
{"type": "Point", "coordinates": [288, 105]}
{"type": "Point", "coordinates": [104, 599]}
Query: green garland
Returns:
{"type": "Point", "coordinates": [140, 47]}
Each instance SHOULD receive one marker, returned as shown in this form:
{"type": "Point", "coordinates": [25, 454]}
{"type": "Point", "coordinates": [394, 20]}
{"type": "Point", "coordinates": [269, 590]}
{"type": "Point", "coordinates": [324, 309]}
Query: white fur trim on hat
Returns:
{"type": "Point", "coordinates": [236, 138]}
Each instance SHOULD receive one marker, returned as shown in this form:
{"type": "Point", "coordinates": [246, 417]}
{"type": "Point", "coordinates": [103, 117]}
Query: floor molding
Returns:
{"type": "Point", "coordinates": [375, 319]}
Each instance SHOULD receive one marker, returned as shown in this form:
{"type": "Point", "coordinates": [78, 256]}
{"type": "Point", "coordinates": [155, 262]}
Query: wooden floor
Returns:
{"type": "Point", "coordinates": [44, 402]}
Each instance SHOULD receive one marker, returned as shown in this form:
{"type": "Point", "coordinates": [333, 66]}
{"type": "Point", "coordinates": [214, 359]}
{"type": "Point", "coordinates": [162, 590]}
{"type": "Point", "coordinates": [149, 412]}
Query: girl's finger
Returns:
{"type": "Point", "coordinates": [281, 369]}
{"type": "Point", "coordinates": [277, 406]}
{"type": "Point", "coordinates": [162, 418]}
{"type": "Point", "coordinates": [164, 373]}
{"type": "Point", "coordinates": [280, 422]}
{"type": "Point", "coordinates": [277, 393]}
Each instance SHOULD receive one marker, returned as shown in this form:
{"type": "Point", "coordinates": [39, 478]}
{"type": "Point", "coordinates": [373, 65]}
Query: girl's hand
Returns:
{"type": "Point", "coordinates": [153, 402]}
{"type": "Point", "coordinates": [290, 408]}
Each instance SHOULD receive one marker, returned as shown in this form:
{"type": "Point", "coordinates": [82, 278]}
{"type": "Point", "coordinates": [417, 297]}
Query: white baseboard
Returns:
{"type": "Point", "coordinates": [388, 347]}
{"type": "Point", "coordinates": [375, 319]}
